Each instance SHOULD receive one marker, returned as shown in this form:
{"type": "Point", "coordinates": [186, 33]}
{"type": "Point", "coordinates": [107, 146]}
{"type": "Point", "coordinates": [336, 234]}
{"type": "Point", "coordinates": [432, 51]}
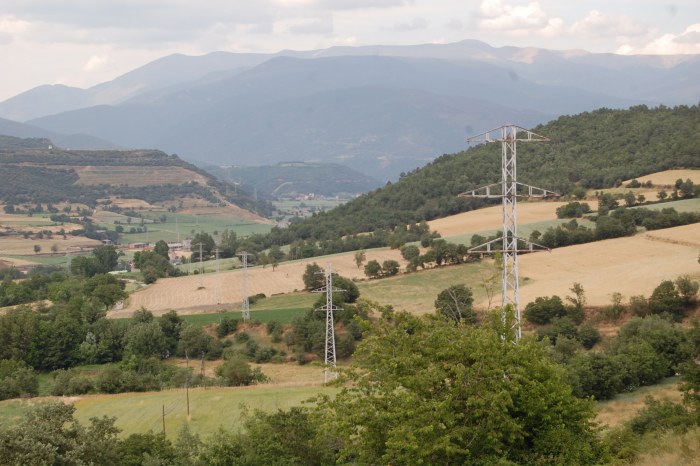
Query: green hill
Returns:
{"type": "Point", "coordinates": [591, 150]}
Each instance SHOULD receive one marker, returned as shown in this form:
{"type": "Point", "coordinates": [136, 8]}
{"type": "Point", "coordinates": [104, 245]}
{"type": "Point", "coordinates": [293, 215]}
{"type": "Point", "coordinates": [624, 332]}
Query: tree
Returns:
{"type": "Point", "coordinates": [51, 435]}
{"type": "Point", "coordinates": [236, 371]}
{"type": "Point", "coordinates": [455, 304]}
{"type": "Point", "coordinates": [360, 257]}
{"type": "Point", "coordinates": [37, 249]}
{"type": "Point", "coordinates": [390, 267]}
{"type": "Point", "coordinates": [145, 340]}
{"type": "Point", "coordinates": [313, 277]}
{"type": "Point", "coordinates": [207, 242]}
{"type": "Point", "coordinates": [630, 199]}
{"type": "Point", "coordinates": [106, 257]}
{"type": "Point", "coordinates": [410, 252]}
{"type": "Point", "coordinates": [373, 269]}
{"type": "Point", "coordinates": [161, 248]}
{"type": "Point", "coordinates": [430, 392]}
{"type": "Point", "coordinates": [544, 309]}
{"type": "Point", "coordinates": [54, 248]}
{"type": "Point", "coordinates": [666, 299]}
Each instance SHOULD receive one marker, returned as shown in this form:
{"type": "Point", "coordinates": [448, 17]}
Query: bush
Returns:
{"type": "Point", "coordinates": [560, 327]}
{"type": "Point", "coordinates": [595, 374]}
{"type": "Point", "coordinates": [236, 371]}
{"type": "Point", "coordinates": [17, 379]}
{"type": "Point", "coordinates": [544, 309]}
{"type": "Point", "coordinates": [226, 326]}
{"type": "Point", "coordinates": [70, 382]}
{"type": "Point", "coordinates": [588, 335]}
{"type": "Point", "coordinates": [665, 299]}
{"type": "Point", "coordinates": [661, 415]}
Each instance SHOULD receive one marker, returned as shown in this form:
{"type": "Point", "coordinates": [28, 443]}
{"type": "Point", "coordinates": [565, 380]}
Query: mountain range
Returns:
{"type": "Point", "coordinates": [382, 110]}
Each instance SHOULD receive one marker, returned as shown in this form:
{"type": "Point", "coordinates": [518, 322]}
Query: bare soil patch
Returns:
{"type": "Point", "coordinates": [490, 218]}
{"type": "Point", "coordinates": [196, 292]}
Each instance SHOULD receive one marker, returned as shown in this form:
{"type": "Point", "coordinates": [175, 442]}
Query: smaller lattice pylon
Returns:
{"type": "Point", "coordinates": [246, 303]}
{"type": "Point", "coordinates": [487, 246]}
{"type": "Point", "coordinates": [329, 370]}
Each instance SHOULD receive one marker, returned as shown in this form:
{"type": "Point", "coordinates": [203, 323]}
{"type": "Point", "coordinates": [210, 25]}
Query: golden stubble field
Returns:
{"type": "Point", "coordinates": [490, 218]}
{"type": "Point", "coordinates": [631, 266]}
{"type": "Point", "coordinates": [669, 177]}
{"type": "Point", "coordinates": [196, 293]}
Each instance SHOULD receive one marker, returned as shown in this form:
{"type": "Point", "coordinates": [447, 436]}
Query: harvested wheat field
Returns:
{"type": "Point", "coordinates": [17, 245]}
{"type": "Point", "coordinates": [631, 266]}
{"type": "Point", "coordinates": [196, 293]}
{"type": "Point", "coordinates": [669, 177]}
{"type": "Point", "coordinates": [490, 218]}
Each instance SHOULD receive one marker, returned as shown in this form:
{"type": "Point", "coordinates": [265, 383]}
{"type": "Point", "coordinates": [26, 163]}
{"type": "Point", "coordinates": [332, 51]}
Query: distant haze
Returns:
{"type": "Point", "coordinates": [381, 110]}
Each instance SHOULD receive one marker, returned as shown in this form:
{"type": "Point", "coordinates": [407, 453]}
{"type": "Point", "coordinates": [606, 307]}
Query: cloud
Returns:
{"type": "Point", "coordinates": [495, 15]}
{"type": "Point", "coordinates": [597, 24]}
{"type": "Point", "coordinates": [318, 26]}
{"type": "Point", "coordinates": [95, 62]}
{"type": "Point", "coordinates": [414, 25]}
{"type": "Point", "coordinates": [454, 24]}
{"type": "Point", "coordinates": [687, 42]}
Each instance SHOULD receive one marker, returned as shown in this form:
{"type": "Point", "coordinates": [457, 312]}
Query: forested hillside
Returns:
{"type": "Point", "coordinates": [591, 150]}
{"type": "Point", "coordinates": [290, 178]}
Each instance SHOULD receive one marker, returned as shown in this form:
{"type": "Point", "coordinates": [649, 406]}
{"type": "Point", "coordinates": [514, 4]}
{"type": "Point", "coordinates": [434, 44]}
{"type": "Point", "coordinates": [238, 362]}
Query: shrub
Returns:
{"type": "Point", "coordinates": [236, 371]}
{"type": "Point", "coordinates": [544, 309]}
{"type": "Point", "coordinates": [588, 335]}
{"type": "Point", "coordinates": [666, 299]}
{"type": "Point", "coordinates": [660, 415]}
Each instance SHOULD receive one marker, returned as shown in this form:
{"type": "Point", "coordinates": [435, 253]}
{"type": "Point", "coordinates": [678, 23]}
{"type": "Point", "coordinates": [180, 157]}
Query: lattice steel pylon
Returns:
{"type": "Point", "coordinates": [509, 189]}
{"type": "Point", "coordinates": [246, 304]}
{"type": "Point", "coordinates": [329, 371]}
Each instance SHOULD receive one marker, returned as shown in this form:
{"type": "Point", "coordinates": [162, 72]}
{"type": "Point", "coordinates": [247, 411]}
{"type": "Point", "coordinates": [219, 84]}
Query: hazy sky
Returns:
{"type": "Point", "coordinates": [85, 42]}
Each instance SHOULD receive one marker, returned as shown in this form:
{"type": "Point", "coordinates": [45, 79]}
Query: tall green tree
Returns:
{"type": "Point", "coordinates": [455, 304]}
{"type": "Point", "coordinates": [426, 391]}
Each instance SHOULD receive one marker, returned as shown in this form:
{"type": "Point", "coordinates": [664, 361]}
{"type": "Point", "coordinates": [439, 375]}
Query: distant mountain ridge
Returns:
{"type": "Point", "coordinates": [382, 110]}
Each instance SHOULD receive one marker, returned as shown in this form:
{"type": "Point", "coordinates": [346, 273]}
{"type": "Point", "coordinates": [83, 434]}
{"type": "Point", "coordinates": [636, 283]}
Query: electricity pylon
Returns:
{"type": "Point", "coordinates": [509, 189]}
{"type": "Point", "coordinates": [246, 303]}
{"type": "Point", "coordinates": [329, 371]}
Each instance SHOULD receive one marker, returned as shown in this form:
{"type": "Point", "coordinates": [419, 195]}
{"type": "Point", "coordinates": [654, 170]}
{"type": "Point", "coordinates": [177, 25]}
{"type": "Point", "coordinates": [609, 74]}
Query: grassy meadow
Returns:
{"type": "Point", "coordinates": [210, 408]}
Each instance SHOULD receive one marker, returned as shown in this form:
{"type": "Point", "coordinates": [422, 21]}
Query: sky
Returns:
{"type": "Point", "coordinates": [85, 42]}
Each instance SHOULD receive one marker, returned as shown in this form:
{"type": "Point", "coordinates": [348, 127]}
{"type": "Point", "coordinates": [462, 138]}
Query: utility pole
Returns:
{"type": "Point", "coordinates": [218, 278]}
{"type": "Point", "coordinates": [508, 190]}
{"type": "Point", "coordinates": [246, 304]}
{"type": "Point", "coordinates": [329, 370]}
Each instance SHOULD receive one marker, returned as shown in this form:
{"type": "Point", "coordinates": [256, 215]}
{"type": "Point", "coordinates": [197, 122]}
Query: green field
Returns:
{"type": "Point", "coordinates": [416, 292]}
{"type": "Point", "coordinates": [683, 205]}
{"type": "Point", "coordinates": [45, 260]}
{"type": "Point", "coordinates": [179, 226]}
{"type": "Point", "coordinates": [210, 408]}
{"type": "Point", "coordinates": [281, 308]}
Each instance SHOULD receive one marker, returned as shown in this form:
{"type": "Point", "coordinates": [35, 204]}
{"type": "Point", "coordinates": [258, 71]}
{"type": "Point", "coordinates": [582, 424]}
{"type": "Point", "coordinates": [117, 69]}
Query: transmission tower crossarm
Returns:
{"type": "Point", "coordinates": [506, 133]}
{"type": "Point", "coordinates": [486, 247]}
